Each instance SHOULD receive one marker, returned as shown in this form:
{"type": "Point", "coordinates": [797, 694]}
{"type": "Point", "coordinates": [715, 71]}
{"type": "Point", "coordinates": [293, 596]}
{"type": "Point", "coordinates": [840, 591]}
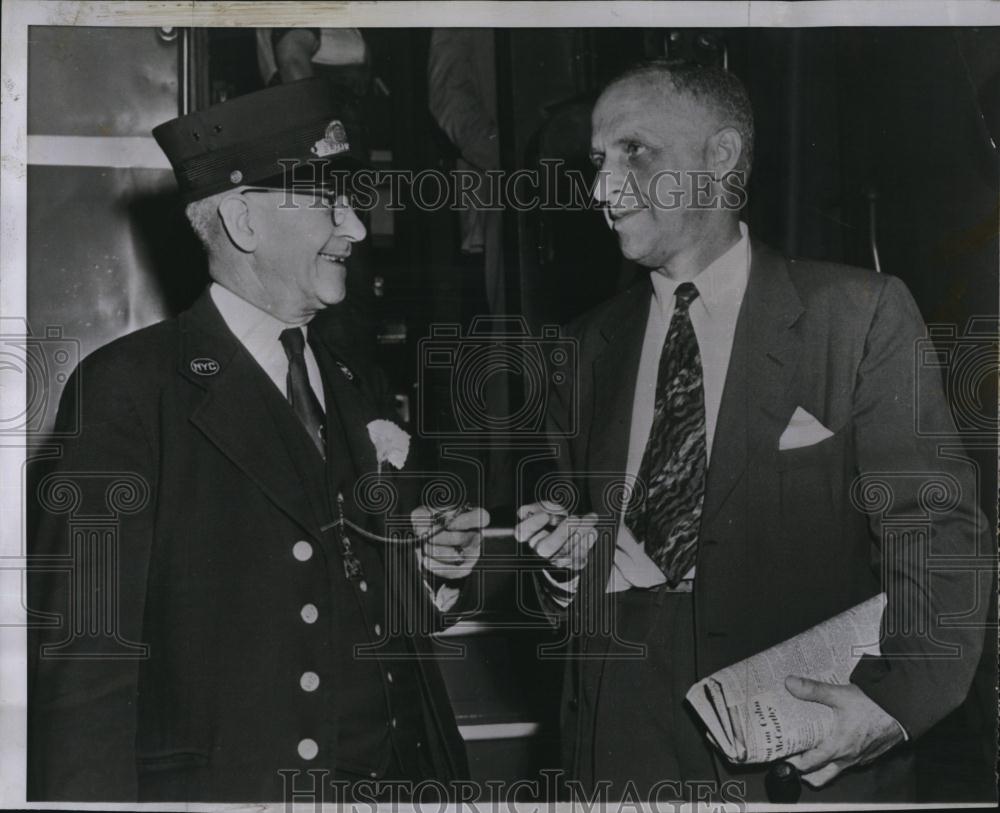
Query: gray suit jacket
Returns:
{"type": "Point", "coordinates": [790, 538]}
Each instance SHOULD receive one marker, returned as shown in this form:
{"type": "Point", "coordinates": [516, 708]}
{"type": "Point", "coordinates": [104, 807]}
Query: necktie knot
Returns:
{"type": "Point", "coordinates": [293, 341]}
{"type": "Point", "coordinates": [686, 293]}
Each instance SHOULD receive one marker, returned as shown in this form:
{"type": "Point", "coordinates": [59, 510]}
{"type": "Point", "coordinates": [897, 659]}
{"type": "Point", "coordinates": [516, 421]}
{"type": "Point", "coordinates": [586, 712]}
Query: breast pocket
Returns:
{"type": "Point", "coordinates": [811, 482]}
{"type": "Point", "coordinates": [815, 454]}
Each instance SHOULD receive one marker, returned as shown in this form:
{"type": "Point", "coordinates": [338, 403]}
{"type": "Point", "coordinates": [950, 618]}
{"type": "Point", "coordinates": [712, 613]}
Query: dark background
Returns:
{"type": "Point", "coordinates": [883, 137]}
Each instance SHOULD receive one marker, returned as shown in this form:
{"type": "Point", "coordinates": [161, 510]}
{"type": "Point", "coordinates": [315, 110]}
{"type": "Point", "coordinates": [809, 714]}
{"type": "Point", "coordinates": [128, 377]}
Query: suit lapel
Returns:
{"type": "Point", "coordinates": [616, 369]}
{"type": "Point", "coordinates": [239, 410]}
{"type": "Point", "coordinates": [755, 404]}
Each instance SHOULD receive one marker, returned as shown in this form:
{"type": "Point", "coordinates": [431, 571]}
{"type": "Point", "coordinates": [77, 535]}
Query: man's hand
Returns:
{"type": "Point", "coordinates": [862, 730]}
{"type": "Point", "coordinates": [452, 551]}
{"type": "Point", "coordinates": [562, 540]}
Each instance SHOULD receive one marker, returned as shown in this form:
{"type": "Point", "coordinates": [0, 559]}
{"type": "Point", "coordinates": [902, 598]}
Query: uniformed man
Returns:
{"type": "Point", "coordinates": [238, 628]}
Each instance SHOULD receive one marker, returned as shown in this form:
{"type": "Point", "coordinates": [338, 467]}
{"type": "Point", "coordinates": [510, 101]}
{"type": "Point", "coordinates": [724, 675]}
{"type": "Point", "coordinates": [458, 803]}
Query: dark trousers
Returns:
{"type": "Point", "coordinates": [635, 730]}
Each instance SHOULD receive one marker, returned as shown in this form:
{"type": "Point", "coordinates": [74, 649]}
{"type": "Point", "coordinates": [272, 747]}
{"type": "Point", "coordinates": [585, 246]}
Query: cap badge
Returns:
{"type": "Point", "coordinates": [235, 176]}
{"type": "Point", "coordinates": [204, 366]}
{"type": "Point", "coordinates": [334, 140]}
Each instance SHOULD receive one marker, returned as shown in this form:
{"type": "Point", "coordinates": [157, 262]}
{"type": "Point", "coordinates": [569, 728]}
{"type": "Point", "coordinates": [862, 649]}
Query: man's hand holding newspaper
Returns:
{"type": "Point", "coordinates": [860, 730]}
{"type": "Point", "coordinates": [794, 701]}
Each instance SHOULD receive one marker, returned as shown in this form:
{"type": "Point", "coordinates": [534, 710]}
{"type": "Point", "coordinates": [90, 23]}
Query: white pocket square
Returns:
{"type": "Point", "coordinates": [802, 430]}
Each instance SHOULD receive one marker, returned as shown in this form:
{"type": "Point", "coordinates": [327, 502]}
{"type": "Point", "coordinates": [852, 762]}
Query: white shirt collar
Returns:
{"type": "Point", "coordinates": [257, 329]}
{"type": "Point", "coordinates": [722, 283]}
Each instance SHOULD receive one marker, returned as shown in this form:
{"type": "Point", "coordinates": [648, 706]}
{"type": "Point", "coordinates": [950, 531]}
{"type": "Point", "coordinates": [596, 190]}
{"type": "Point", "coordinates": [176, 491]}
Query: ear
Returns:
{"type": "Point", "coordinates": [723, 150]}
{"type": "Point", "coordinates": [237, 220]}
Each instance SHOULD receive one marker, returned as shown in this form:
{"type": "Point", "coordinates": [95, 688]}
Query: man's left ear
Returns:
{"type": "Point", "coordinates": [723, 151]}
{"type": "Point", "coordinates": [237, 220]}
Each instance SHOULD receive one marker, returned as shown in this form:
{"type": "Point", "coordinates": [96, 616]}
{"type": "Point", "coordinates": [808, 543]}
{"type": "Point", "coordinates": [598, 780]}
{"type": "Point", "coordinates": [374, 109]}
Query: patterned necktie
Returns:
{"type": "Point", "coordinates": [300, 394]}
{"type": "Point", "coordinates": [675, 460]}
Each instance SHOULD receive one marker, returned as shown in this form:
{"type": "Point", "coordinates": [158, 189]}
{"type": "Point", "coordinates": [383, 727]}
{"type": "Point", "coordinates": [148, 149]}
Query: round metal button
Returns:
{"type": "Point", "coordinates": [309, 613]}
{"type": "Point", "coordinates": [308, 748]}
{"type": "Point", "coordinates": [302, 550]}
{"type": "Point", "coordinates": [309, 681]}
{"type": "Point", "coordinates": [363, 587]}
{"type": "Point", "coordinates": [235, 176]}
{"type": "Point", "coordinates": [393, 722]}
{"type": "Point", "coordinates": [389, 677]}
{"type": "Point", "coordinates": [378, 629]}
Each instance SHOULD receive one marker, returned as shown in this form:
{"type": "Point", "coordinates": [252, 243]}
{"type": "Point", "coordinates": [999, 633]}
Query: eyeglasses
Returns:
{"type": "Point", "coordinates": [335, 204]}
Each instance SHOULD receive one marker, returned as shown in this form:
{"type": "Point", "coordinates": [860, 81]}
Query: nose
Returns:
{"type": "Point", "coordinates": [346, 223]}
{"type": "Point", "coordinates": [605, 186]}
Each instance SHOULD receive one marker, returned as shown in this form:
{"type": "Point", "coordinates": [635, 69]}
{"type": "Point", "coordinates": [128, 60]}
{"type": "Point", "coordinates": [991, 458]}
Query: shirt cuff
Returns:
{"type": "Point", "coordinates": [561, 591]}
{"type": "Point", "coordinates": [632, 567]}
{"type": "Point", "coordinates": [906, 735]}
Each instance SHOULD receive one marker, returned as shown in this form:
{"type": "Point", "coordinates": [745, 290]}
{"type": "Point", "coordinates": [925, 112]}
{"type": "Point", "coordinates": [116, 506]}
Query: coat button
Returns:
{"type": "Point", "coordinates": [389, 677]}
{"type": "Point", "coordinates": [363, 586]}
{"type": "Point", "coordinates": [378, 629]}
{"type": "Point", "coordinates": [309, 613]}
{"type": "Point", "coordinates": [309, 681]}
{"type": "Point", "coordinates": [308, 748]}
{"type": "Point", "coordinates": [393, 722]}
{"type": "Point", "coordinates": [302, 550]}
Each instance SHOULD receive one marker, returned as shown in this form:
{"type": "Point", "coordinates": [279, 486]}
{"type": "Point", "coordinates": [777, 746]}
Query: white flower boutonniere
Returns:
{"type": "Point", "coordinates": [391, 443]}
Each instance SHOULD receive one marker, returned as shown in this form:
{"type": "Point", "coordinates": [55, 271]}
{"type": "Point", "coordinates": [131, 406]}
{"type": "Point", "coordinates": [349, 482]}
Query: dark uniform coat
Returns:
{"type": "Point", "coordinates": [791, 538]}
{"type": "Point", "coordinates": [196, 518]}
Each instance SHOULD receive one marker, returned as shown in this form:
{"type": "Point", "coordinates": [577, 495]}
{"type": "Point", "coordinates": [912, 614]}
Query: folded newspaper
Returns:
{"type": "Point", "coordinates": [750, 715]}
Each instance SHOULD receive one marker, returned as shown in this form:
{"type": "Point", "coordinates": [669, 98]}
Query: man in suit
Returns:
{"type": "Point", "coordinates": [237, 629]}
{"type": "Point", "coordinates": [746, 399]}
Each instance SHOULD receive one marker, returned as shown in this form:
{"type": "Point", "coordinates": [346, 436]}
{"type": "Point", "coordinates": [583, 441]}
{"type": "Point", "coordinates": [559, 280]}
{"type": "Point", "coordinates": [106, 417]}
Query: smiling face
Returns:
{"type": "Point", "coordinates": [299, 262]}
{"type": "Point", "coordinates": [645, 141]}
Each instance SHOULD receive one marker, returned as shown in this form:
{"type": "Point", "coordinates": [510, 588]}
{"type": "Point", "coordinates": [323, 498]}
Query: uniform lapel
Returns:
{"type": "Point", "coordinates": [349, 409]}
{"type": "Point", "coordinates": [755, 405]}
{"type": "Point", "coordinates": [238, 412]}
